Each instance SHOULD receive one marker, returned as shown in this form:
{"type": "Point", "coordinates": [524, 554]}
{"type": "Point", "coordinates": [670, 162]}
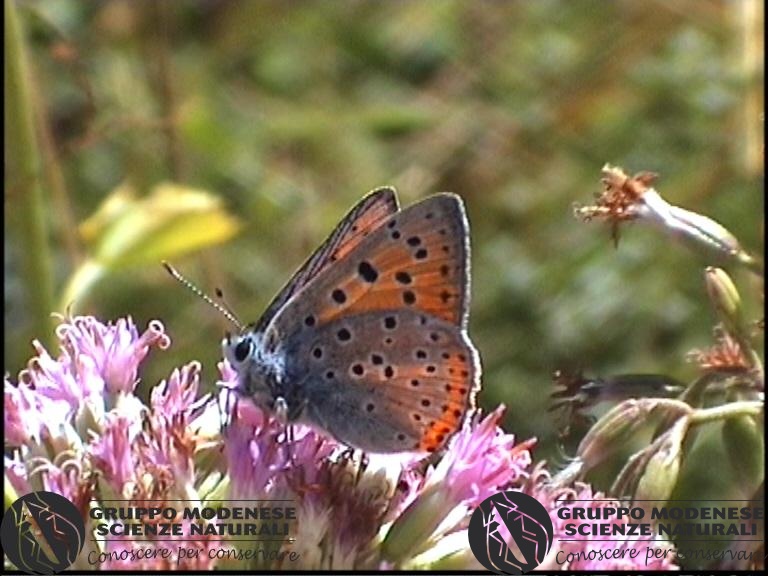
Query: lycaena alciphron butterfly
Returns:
{"type": "Point", "coordinates": [367, 342]}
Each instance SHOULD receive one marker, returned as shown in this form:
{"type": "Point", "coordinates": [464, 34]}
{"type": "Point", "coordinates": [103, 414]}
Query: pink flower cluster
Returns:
{"type": "Point", "coordinates": [74, 425]}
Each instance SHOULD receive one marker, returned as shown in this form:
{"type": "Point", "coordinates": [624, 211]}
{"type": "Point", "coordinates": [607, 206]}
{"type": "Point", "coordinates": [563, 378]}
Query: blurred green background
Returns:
{"type": "Point", "coordinates": [289, 112]}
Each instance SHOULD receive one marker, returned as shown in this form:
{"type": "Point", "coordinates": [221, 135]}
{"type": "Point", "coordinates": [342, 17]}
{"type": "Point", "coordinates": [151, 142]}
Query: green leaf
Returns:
{"type": "Point", "coordinates": [130, 232]}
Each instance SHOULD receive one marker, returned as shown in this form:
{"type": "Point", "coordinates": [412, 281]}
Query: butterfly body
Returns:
{"type": "Point", "coordinates": [368, 341]}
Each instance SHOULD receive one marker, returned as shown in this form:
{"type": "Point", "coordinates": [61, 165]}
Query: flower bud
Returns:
{"type": "Point", "coordinates": [725, 300]}
{"type": "Point", "coordinates": [61, 437]}
{"type": "Point", "coordinates": [744, 441]}
{"type": "Point", "coordinates": [89, 417]}
{"type": "Point", "coordinates": [660, 475]}
{"type": "Point", "coordinates": [416, 524]}
{"type": "Point", "coordinates": [700, 231]}
{"type": "Point", "coordinates": [612, 432]}
{"type": "Point", "coordinates": [451, 553]}
{"type": "Point", "coordinates": [460, 560]}
{"type": "Point", "coordinates": [626, 482]}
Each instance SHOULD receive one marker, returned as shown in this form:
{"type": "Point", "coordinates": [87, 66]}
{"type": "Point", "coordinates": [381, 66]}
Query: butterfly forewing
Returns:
{"type": "Point", "coordinates": [361, 220]}
{"type": "Point", "coordinates": [417, 259]}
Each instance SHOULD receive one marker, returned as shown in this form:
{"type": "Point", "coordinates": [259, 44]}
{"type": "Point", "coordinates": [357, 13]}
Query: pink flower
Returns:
{"type": "Point", "coordinates": [23, 414]}
{"type": "Point", "coordinates": [569, 554]}
{"type": "Point", "coordinates": [73, 422]}
{"type": "Point", "coordinates": [61, 386]}
{"type": "Point", "coordinates": [16, 475]}
{"type": "Point", "coordinates": [480, 461]}
{"type": "Point", "coordinates": [178, 395]}
{"type": "Point", "coordinates": [116, 350]}
{"type": "Point", "coordinates": [112, 453]}
{"type": "Point", "coordinates": [74, 425]}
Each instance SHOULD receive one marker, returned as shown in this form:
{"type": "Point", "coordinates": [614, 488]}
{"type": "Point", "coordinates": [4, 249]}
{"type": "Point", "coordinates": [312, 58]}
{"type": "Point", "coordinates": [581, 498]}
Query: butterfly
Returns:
{"type": "Point", "coordinates": [368, 340]}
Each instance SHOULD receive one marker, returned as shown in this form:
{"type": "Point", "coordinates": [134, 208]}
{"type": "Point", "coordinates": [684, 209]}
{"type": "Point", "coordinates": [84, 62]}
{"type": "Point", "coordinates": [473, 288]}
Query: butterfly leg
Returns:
{"type": "Point", "coordinates": [280, 410]}
{"type": "Point", "coordinates": [285, 415]}
{"type": "Point", "coordinates": [349, 455]}
{"type": "Point", "coordinates": [227, 407]}
{"type": "Point", "coordinates": [363, 466]}
{"type": "Point", "coordinates": [288, 439]}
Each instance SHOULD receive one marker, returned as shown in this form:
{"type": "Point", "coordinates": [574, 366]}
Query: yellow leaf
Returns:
{"type": "Point", "coordinates": [171, 221]}
{"type": "Point", "coordinates": [127, 231]}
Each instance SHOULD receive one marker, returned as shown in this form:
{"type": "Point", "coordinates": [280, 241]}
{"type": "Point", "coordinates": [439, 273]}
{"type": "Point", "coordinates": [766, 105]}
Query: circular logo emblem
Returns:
{"type": "Point", "coordinates": [510, 533]}
{"type": "Point", "coordinates": [42, 533]}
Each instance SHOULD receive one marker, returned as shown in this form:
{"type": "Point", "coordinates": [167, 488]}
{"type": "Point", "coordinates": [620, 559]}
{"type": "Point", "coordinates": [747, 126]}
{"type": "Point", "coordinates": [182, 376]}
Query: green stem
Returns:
{"type": "Point", "coordinates": [734, 409]}
{"type": "Point", "coordinates": [26, 203]}
{"type": "Point", "coordinates": [9, 493]}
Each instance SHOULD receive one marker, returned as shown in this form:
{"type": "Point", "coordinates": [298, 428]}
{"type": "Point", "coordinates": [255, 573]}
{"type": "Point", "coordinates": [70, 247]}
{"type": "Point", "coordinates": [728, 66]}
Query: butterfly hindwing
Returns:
{"type": "Point", "coordinates": [387, 382]}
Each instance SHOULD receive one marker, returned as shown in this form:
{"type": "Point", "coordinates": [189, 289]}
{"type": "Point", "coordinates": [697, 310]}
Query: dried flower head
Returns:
{"type": "Point", "coordinates": [725, 356]}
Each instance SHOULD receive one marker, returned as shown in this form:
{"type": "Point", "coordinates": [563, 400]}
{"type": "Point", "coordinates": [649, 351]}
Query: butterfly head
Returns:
{"type": "Point", "coordinates": [259, 365]}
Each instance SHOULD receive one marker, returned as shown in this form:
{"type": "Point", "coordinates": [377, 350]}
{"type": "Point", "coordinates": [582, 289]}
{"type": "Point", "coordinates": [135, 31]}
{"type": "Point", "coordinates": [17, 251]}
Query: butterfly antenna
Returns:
{"type": "Point", "coordinates": [224, 304]}
{"type": "Point", "coordinates": [224, 311]}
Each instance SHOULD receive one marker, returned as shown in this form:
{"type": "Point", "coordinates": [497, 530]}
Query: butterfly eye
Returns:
{"type": "Point", "coordinates": [243, 349]}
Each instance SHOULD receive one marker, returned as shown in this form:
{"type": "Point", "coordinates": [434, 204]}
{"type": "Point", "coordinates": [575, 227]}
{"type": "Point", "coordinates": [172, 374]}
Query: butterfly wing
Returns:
{"type": "Point", "coordinates": [417, 259]}
{"type": "Point", "coordinates": [392, 382]}
{"type": "Point", "coordinates": [359, 222]}
{"type": "Point", "coordinates": [395, 308]}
